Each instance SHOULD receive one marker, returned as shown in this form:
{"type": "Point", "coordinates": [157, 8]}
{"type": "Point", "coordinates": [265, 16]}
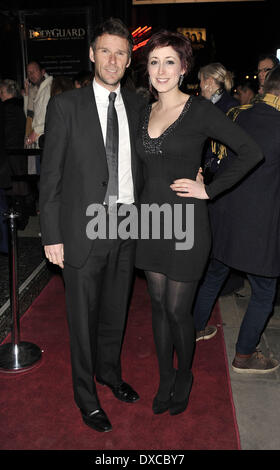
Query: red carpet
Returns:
{"type": "Point", "coordinates": [37, 407]}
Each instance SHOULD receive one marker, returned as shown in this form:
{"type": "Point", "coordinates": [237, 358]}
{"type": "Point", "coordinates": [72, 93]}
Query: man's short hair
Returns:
{"type": "Point", "coordinates": [247, 85]}
{"type": "Point", "coordinates": [272, 81]}
{"type": "Point", "coordinates": [37, 63]}
{"type": "Point", "coordinates": [271, 57]}
{"type": "Point", "coordinates": [113, 26]}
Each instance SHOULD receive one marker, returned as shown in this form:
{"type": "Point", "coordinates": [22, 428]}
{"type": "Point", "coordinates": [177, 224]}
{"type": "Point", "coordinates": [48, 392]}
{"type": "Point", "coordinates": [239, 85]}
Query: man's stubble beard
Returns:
{"type": "Point", "coordinates": [106, 82]}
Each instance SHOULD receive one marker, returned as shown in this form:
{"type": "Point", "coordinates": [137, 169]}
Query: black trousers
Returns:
{"type": "Point", "coordinates": [97, 298]}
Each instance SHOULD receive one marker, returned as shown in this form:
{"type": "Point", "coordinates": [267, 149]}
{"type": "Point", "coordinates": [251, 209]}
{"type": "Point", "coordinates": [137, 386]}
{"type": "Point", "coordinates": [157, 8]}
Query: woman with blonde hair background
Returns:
{"type": "Point", "coordinates": [216, 83]}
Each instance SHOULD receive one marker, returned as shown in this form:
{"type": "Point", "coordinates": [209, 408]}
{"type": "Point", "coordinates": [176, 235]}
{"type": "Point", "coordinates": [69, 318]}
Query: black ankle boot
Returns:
{"type": "Point", "coordinates": [162, 399]}
{"type": "Point", "coordinates": [182, 389]}
{"type": "Point", "coordinates": [160, 406]}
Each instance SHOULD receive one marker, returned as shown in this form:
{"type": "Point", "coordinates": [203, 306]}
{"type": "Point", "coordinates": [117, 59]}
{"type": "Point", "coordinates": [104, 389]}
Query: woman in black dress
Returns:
{"type": "Point", "coordinates": [173, 132]}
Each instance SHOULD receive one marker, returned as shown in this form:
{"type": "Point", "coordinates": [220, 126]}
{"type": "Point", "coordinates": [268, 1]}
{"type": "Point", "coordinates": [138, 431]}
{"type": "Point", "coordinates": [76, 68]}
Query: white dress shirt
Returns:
{"type": "Point", "coordinates": [126, 194]}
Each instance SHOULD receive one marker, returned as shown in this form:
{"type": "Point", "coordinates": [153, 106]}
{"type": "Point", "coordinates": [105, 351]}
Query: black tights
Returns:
{"type": "Point", "coordinates": [172, 321]}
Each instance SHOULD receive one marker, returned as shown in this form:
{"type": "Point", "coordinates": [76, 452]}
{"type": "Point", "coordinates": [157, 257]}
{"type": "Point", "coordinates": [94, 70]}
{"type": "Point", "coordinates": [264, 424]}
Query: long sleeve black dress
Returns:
{"type": "Point", "coordinates": [177, 154]}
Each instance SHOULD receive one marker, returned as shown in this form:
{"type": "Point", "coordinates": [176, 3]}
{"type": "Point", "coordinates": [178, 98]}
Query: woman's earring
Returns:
{"type": "Point", "coordinates": [181, 80]}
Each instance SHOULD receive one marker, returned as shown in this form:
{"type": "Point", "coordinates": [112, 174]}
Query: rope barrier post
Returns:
{"type": "Point", "coordinates": [17, 355]}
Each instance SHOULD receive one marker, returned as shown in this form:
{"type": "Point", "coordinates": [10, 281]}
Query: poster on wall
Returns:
{"type": "Point", "coordinates": [58, 39]}
{"type": "Point", "coordinates": [197, 36]}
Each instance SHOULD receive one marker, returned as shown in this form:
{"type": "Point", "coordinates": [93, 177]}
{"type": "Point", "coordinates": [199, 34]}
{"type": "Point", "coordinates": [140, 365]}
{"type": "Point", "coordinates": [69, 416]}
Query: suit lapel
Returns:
{"type": "Point", "coordinates": [132, 115]}
{"type": "Point", "coordinates": [92, 123]}
{"type": "Point", "coordinates": [132, 118]}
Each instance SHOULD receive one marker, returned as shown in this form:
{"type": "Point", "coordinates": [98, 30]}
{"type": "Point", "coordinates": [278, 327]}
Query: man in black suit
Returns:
{"type": "Point", "coordinates": [76, 173]}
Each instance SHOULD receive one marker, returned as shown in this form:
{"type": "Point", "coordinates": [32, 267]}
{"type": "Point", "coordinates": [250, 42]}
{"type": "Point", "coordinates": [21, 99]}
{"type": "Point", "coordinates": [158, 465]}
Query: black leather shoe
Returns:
{"type": "Point", "coordinates": [97, 420]}
{"type": "Point", "coordinates": [123, 391]}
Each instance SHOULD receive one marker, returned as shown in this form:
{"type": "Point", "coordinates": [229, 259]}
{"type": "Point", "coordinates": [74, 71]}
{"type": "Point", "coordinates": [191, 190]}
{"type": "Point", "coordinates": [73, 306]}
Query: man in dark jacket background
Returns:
{"type": "Point", "coordinates": [14, 128]}
{"type": "Point", "coordinates": [246, 231]}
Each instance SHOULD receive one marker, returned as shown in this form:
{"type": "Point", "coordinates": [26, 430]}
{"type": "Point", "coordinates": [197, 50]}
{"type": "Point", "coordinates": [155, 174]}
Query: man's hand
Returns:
{"type": "Point", "coordinates": [26, 87]}
{"type": "Point", "coordinates": [33, 137]}
{"type": "Point", "coordinates": [55, 254]}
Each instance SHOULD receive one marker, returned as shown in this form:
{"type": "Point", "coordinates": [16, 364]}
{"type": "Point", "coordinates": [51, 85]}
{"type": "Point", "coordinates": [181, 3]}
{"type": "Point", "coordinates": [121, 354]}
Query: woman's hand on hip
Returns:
{"type": "Point", "coordinates": [189, 188]}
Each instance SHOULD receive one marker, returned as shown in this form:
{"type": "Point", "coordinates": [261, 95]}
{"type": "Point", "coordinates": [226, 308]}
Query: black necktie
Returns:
{"type": "Point", "coordinates": [112, 146]}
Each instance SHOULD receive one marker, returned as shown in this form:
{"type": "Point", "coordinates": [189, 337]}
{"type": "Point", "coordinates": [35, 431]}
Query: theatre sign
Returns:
{"type": "Point", "coordinates": [56, 33]}
{"type": "Point", "coordinates": [58, 39]}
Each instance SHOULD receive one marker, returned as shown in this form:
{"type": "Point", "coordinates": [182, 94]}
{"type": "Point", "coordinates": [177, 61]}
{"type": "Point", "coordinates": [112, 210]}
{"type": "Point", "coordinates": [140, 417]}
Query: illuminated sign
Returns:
{"type": "Point", "coordinates": [140, 31]}
{"type": "Point", "coordinates": [138, 34]}
{"type": "Point", "coordinates": [57, 33]}
{"type": "Point", "coordinates": [141, 44]}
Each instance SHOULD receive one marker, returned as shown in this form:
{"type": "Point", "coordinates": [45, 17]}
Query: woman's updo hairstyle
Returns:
{"type": "Point", "coordinates": [223, 77]}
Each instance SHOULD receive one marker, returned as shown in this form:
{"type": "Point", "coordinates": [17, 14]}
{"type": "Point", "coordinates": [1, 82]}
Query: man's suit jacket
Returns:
{"type": "Point", "coordinates": [74, 171]}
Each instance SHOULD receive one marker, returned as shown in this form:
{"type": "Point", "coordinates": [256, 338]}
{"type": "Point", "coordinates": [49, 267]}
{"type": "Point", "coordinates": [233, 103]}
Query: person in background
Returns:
{"type": "Point", "coordinates": [37, 92]}
{"type": "Point", "coordinates": [5, 183]}
{"type": "Point", "coordinates": [245, 92]}
{"type": "Point", "coordinates": [14, 128]}
{"type": "Point", "coordinates": [83, 78]}
{"type": "Point", "coordinates": [15, 119]}
{"type": "Point", "coordinates": [61, 84]}
{"type": "Point", "coordinates": [246, 231]}
{"type": "Point", "coordinates": [266, 62]}
{"type": "Point", "coordinates": [170, 139]}
{"type": "Point", "coordinates": [216, 83]}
